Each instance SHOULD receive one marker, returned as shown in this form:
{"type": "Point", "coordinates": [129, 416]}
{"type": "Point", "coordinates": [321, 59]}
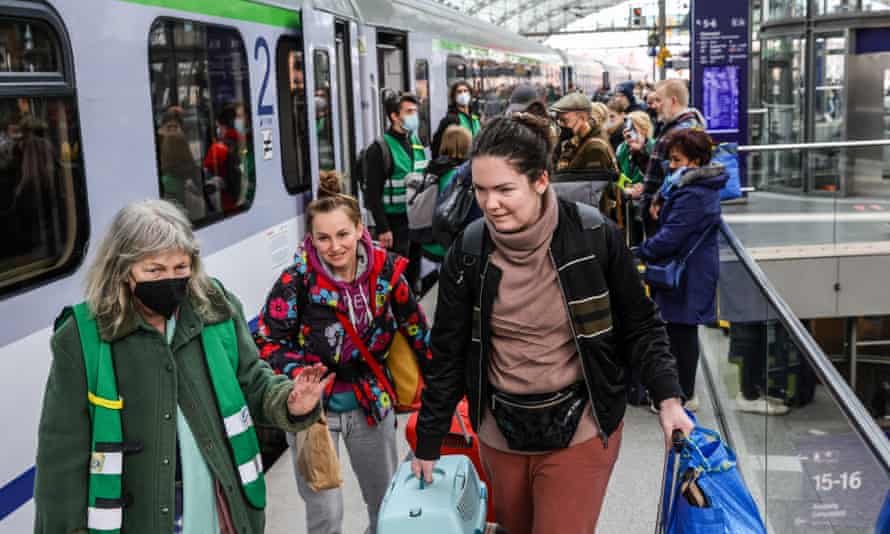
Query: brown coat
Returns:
{"type": "Point", "coordinates": [588, 152]}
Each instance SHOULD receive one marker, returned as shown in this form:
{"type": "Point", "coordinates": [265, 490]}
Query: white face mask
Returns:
{"type": "Point", "coordinates": [463, 99]}
{"type": "Point", "coordinates": [239, 126]}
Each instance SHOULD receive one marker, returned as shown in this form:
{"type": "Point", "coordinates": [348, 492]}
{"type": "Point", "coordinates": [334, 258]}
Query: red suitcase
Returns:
{"type": "Point", "coordinates": [461, 439]}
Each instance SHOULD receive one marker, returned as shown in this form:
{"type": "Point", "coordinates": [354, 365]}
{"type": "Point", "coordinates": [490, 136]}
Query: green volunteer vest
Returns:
{"type": "Point", "coordinates": [395, 191]}
{"type": "Point", "coordinates": [470, 123]}
{"type": "Point", "coordinates": [105, 507]}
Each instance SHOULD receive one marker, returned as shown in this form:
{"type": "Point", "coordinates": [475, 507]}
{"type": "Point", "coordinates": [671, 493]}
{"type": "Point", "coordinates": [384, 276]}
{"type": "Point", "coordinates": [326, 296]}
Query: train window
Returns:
{"type": "Point", "coordinates": [324, 126]}
{"type": "Point", "coordinates": [200, 96]}
{"type": "Point", "coordinates": [28, 46]}
{"type": "Point", "coordinates": [292, 115]}
{"type": "Point", "coordinates": [422, 89]}
{"type": "Point", "coordinates": [43, 209]}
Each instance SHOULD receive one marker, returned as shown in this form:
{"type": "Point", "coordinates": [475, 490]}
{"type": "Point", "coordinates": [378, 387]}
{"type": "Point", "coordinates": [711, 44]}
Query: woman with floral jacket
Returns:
{"type": "Point", "coordinates": [339, 274]}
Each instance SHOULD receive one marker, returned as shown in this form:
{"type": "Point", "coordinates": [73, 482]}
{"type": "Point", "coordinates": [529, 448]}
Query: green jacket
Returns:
{"type": "Point", "coordinates": [153, 379]}
{"type": "Point", "coordinates": [630, 173]}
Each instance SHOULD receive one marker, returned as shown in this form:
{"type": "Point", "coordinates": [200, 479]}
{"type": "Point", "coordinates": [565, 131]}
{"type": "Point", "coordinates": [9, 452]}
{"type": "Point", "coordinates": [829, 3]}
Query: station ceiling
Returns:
{"type": "Point", "coordinates": [530, 16]}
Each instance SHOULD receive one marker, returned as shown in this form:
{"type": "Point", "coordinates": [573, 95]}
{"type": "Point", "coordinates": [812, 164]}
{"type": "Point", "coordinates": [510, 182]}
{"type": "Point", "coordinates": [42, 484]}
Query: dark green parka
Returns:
{"type": "Point", "coordinates": [153, 379]}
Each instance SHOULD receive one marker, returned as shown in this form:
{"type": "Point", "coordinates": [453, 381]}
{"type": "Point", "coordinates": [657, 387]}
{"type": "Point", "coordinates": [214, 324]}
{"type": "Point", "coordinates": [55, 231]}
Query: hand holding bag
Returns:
{"type": "Point", "coordinates": [317, 459]}
{"type": "Point", "coordinates": [729, 509]}
{"type": "Point", "coordinates": [669, 275]}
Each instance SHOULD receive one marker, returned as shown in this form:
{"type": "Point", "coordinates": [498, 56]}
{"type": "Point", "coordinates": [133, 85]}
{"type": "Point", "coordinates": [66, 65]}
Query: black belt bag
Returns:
{"type": "Point", "coordinates": [540, 422]}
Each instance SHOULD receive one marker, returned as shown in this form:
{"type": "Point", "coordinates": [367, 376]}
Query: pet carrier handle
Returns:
{"type": "Point", "coordinates": [463, 428]}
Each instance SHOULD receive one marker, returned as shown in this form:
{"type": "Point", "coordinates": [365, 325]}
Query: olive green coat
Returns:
{"type": "Point", "coordinates": [153, 379]}
{"type": "Point", "coordinates": [590, 152]}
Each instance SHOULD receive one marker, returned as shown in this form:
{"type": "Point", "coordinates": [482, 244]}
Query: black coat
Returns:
{"type": "Point", "coordinates": [630, 333]}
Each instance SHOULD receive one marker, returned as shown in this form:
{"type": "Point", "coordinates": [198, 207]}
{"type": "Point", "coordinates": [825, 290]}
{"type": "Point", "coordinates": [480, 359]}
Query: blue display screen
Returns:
{"type": "Point", "coordinates": [720, 103]}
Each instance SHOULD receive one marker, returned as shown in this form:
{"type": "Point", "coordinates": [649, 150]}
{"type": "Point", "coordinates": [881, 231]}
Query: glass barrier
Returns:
{"type": "Point", "coordinates": [811, 454]}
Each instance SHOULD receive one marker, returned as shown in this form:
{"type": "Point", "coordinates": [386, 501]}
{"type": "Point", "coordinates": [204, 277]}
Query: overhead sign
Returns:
{"type": "Point", "coordinates": [719, 65]}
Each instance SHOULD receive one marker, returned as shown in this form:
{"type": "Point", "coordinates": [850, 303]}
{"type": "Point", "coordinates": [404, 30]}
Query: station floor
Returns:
{"type": "Point", "coordinates": [786, 220]}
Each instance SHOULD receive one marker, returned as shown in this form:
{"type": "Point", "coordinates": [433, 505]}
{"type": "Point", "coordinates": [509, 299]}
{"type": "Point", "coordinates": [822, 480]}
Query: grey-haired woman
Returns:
{"type": "Point", "coordinates": [155, 384]}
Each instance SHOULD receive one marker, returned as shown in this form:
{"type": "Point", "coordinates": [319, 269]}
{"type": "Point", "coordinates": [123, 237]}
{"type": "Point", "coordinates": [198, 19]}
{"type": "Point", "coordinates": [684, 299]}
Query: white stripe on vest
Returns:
{"type": "Point", "coordinates": [107, 463]}
{"type": "Point", "coordinates": [238, 423]}
{"type": "Point", "coordinates": [105, 518]}
{"type": "Point", "coordinates": [251, 470]}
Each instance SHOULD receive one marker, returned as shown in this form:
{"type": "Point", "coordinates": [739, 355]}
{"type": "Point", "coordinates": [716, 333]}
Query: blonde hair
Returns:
{"type": "Point", "coordinates": [137, 231]}
{"type": "Point", "coordinates": [675, 88]}
{"type": "Point", "coordinates": [456, 142]}
{"type": "Point", "coordinates": [599, 113]}
{"type": "Point", "coordinates": [642, 123]}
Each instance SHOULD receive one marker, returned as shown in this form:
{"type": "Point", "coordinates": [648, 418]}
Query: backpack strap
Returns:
{"type": "Point", "coordinates": [594, 223]}
{"type": "Point", "coordinates": [473, 238]}
{"type": "Point", "coordinates": [386, 154]}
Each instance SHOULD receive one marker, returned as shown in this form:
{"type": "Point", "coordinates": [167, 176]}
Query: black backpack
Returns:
{"type": "Point", "coordinates": [360, 166]}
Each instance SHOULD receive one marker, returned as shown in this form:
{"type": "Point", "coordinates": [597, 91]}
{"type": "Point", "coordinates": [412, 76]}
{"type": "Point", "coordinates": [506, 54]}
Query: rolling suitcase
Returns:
{"type": "Point", "coordinates": [461, 439]}
{"type": "Point", "coordinates": [454, 503]}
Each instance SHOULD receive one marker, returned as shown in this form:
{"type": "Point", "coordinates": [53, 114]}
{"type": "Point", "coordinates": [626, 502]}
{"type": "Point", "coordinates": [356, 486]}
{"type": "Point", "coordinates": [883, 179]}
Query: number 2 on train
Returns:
{"type": "Point", "coordinates": [263, 109]}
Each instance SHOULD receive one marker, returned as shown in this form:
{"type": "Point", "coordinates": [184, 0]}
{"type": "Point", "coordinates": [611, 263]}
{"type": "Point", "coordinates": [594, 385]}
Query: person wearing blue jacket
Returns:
{"type": "Point", "coordinates": [687, 208]}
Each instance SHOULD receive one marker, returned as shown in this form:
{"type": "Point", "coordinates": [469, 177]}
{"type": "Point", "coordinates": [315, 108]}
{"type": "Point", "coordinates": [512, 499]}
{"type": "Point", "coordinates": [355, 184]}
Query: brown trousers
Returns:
{"type": "Point", "coordinates": [555, 493]}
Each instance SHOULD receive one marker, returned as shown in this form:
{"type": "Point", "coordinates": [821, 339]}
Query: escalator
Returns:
{"type": "Point", "coordinates": [817, 462]}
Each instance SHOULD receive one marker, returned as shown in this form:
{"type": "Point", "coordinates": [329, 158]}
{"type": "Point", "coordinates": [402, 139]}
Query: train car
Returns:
{"type": "Point", "coordinates": [589, 74]}
{"type": "Point", "coordinates": [103, 102]}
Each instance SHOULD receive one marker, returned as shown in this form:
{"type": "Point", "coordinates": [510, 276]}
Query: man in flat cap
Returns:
{"type": "Point", "coordinates": [588, 148]}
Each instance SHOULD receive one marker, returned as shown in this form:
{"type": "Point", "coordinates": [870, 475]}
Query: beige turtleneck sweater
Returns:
{"type": "Point", "coordinates": [532, 346]}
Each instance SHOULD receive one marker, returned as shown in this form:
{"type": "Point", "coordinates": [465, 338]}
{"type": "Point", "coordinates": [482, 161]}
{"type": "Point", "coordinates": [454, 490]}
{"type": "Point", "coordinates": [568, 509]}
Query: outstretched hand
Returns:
{"type": "Point", "coordinates": [307, 390]}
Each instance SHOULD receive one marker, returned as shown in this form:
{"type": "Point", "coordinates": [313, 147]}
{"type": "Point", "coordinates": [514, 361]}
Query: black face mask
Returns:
{"type": "Point", "coordinates": [162, 296]}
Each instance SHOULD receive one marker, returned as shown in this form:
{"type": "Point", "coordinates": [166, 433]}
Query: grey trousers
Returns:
{"type": "Point", "coordinates": [374, 459]}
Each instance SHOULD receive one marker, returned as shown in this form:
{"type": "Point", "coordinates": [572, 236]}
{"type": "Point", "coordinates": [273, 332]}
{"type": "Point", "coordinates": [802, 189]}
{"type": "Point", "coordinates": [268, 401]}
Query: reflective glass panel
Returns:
{"type": "Point", "coordinates": [42, 203]}
{"type": "Point", "coordinates": [782, 71]}
{"type": "Point", "coordinates": [27, 46]}
{"type": "Point", "coordinates": [201, 104]}
{"type": "Point", "coordinates": [324, 126]}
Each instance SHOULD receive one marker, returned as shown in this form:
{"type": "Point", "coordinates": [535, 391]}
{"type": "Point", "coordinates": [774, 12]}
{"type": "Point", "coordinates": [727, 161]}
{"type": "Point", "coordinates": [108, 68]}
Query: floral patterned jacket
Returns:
{"type": "Point", "coordinates": [298, 325]}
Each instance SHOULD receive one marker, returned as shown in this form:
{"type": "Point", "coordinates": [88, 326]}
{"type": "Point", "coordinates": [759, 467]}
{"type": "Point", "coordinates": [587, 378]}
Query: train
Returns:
{"type": "Point", "coordinates": [103, 102]}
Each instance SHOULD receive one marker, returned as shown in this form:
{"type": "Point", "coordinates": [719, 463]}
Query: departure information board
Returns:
{"type": "Point", "coordinates": [719, 68]}
{"type": "Point", "coordinates": [720, 98]}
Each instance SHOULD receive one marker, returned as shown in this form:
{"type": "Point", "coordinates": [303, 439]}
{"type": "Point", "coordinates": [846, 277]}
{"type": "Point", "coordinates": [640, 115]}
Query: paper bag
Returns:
{"type": "Point", "coordinates": [317, 459]}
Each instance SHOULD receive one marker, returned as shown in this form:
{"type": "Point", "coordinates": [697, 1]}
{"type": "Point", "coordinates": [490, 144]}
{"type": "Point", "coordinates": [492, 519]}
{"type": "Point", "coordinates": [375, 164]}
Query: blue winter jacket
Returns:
{"type": "Point", "coordinates": [692, 208]}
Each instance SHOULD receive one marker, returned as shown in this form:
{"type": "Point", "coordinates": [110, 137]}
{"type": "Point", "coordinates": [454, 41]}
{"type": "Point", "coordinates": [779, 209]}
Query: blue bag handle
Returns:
{"type": "Point", "coordinates": [718, 459]}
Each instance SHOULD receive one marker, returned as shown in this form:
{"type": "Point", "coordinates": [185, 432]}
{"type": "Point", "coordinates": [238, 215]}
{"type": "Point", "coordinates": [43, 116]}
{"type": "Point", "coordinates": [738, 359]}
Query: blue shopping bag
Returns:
{"type": "Point", "coordinates": [883, 526]}
{"type": "Point", "coordinates": [731, 508]}
{"type": "Point", "coordinates": [727, 154]}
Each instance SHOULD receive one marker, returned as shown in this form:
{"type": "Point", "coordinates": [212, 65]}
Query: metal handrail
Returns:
{"type": "Point", "coordinates": [808, 146]}
{"type": "Point", "coordinates": [846, 399]}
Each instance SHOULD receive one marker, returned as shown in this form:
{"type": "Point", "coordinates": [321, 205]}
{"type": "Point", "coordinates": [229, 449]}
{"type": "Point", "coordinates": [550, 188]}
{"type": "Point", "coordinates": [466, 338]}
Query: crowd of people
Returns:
{"type": "Point", "coordinates": [539, 297]}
